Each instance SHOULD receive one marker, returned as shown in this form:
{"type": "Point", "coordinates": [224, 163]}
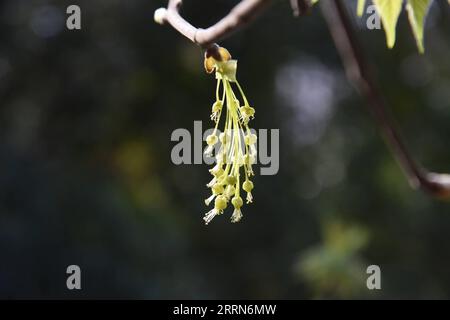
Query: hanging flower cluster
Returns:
{"type": "Point", "coordinates": [236, 144]}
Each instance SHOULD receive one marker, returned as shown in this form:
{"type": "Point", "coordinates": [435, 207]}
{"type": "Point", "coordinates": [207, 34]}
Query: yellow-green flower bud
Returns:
{"type": "Point", "coordinates": [217, 188]}
{"type": "Point", "coordinates": [217, 171]}
{"type": "Point", "coordinates": [247, 111]}
{"type": "Point", "coordinates": [220, 203]}
{"type": "Point", "coordinates": [237, 202]}
{"type": "Point", "coordinates": [247, 186]}
{"type": "Point", "coordinates": [217, 106]}
{"type": "Point", "coordinates": [211, 139]}
{"type": "Point", "coordinates": [231, 180]}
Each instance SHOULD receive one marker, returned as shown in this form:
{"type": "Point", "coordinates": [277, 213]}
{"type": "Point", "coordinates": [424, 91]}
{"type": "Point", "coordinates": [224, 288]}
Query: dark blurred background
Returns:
{"type": "Point", "coordinates": [86, 175]}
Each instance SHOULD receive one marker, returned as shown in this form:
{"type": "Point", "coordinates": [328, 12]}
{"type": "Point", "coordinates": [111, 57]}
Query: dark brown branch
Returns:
{"type": "Point", "coordinates": [239, 16]}
{"type": "Point", "coordinates": [358, 73]}
{"type": "Point", "coordinates": [300, 7]}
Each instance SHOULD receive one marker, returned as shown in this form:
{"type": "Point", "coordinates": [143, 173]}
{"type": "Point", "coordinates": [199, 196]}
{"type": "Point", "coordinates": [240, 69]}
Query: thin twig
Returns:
{"type": "Point", "coordinates": [300, 7]}
{"type": "Point", "coordinates": [239, 16]}
{"type": "Point", "coordinates": [350, 50]}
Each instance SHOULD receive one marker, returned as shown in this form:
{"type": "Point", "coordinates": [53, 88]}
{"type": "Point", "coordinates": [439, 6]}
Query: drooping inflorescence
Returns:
{"type": "Point", "coordinates": [235, 146]}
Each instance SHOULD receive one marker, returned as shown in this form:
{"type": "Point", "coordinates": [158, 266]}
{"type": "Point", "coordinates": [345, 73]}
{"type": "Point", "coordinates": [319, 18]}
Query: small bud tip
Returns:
{"type": "Point", "coordinates": [160, 15]}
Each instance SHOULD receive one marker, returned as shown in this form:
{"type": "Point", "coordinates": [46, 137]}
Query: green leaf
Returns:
{"type": "Point", "coordinates": [361, 5]}
{"type": "Point", "coordinates": [389, 11]}
{"type": "Point", "coordinates": [417, 11]}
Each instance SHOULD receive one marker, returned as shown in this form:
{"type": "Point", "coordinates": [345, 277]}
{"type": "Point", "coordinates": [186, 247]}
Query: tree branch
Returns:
{"type": "Point", "coordinates": [239, 16]}
{"type": "Point", "coordinates": [355, 65]}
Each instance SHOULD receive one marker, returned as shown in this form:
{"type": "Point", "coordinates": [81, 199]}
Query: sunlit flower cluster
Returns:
{"type": "Point", "coordinates": [235, 146]}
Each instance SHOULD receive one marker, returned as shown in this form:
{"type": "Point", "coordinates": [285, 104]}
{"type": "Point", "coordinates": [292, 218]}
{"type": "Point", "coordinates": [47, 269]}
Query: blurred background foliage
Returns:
{"type": "Point", "coordinates": [85, 124]}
